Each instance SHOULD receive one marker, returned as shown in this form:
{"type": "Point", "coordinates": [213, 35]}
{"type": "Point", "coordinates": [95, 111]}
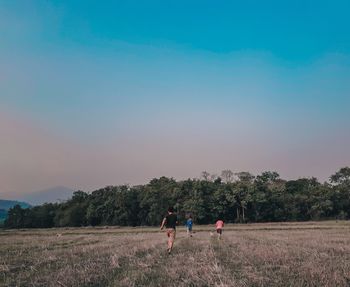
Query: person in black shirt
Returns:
{"type": "Point", "coordinates": [170, 222]}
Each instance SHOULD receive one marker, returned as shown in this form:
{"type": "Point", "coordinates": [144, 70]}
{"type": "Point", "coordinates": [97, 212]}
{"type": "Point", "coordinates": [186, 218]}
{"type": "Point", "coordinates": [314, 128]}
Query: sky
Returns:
{"type": "Point", "coordinates": [119, 92]}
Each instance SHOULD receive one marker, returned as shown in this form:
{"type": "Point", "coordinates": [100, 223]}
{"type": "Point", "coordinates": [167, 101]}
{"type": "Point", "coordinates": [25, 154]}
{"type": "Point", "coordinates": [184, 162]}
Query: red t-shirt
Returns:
{"type": "Point", "coordinates": [219, 224]}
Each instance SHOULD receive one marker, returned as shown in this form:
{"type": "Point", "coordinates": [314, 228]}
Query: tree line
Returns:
{"type": "Point", "coordinates": [233, 197]}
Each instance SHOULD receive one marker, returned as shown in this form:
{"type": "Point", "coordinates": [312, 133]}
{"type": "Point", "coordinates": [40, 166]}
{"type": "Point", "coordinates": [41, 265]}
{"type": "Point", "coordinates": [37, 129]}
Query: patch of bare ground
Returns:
{"type": "Point", "coordinates": [67, 260]}
{"type": "Point", "coordinates": [291, 258]}
{"type": "Point", "coordinates": [192, 263]}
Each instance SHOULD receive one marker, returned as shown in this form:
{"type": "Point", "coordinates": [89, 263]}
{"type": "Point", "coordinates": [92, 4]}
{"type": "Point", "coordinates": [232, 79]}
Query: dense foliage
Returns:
{"type": "Point", "coordinates": [239, 197]}
{"type": "Point", "coordinates": [5, 205]}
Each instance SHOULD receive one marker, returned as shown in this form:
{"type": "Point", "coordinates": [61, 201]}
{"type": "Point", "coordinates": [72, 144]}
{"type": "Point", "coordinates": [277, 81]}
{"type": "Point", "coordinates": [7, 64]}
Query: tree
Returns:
{"type": "Point", "coordinates": [205, 175]}
{"type": "Point", "coordinates": [245, 176]}
{"type": "Point", "coordinates": [227, 176]}
{"type": "Point", "coordinates": [16, 217]}
{"type": "Point", "coordinates": [341, 177]}
{"type": "Point", "coordinates": [268, 177]}
{"type": "Point", "coordinates": [341, 189]}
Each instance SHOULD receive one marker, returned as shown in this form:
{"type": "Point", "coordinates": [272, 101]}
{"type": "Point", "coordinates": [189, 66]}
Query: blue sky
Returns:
{"type": "Point", "coordinates": [94, 94]}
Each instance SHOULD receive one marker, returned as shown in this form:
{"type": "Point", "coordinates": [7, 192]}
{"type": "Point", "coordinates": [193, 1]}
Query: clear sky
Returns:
{"type": "Point", "coordinates": [94, 93]}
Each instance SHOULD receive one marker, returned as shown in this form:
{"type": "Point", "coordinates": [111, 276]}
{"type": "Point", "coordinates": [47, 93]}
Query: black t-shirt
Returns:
{"type": "Point", "coordinates": [171, 220]}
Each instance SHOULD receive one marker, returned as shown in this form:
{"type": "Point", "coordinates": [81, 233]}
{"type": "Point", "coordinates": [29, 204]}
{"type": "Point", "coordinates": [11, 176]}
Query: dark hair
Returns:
{"type": "Point", "coordinates": [171, 209]}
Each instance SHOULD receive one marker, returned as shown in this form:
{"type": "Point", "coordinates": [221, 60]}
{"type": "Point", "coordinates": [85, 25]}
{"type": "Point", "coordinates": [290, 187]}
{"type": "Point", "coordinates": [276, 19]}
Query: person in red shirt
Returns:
{"type": "Point", "coordinates": [219, 226]}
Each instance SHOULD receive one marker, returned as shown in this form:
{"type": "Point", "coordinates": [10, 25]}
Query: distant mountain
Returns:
{"type": "Point", "coordinates": [7, 204]}
{"type": "Point", "coordinates": [51, 195]}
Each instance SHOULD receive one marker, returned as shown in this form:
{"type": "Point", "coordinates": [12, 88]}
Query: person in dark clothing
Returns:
{"type": "Point", "coordinates": [170, 222]}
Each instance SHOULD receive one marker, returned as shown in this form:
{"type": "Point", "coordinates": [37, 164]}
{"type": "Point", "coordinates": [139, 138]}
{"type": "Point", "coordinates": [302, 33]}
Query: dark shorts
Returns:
{"type": "Point", "coordinates": [219, 230]}
{"type": "Point", "coordinates": [189, 228]}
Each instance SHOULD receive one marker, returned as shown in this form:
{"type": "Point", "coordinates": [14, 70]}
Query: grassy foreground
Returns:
{"type": "Point", "coordinates": [290, 254]}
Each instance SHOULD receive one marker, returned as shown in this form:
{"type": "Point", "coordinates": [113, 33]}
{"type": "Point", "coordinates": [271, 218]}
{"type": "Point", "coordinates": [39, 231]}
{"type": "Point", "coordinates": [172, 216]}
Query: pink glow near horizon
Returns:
{"type": "Point", "coordinates": [34, 158]}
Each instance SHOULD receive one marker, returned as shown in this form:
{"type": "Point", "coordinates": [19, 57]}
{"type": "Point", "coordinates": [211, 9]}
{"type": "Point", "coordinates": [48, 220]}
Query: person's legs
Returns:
{"type": "Point", "coordinates": [171, 237]}
{"type": "Point", "coordinates": [168, 234]}
{"type": "Point", "coordinates": [190, 231]}
{"type": "Point", "coordinates": [219, 232]}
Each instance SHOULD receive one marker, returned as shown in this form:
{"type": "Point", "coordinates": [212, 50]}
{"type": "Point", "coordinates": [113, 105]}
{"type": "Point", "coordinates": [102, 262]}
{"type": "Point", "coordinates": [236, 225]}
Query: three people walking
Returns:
{"type": "Point", "coordinates": [170, 221]}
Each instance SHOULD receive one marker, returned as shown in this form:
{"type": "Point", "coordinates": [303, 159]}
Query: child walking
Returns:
{"type": "Point", "coordinates": [189, 224]}
{"type": "Point", "coordinates": [219, 226]}
{"type": "Point", "coordinates": [170, 222]}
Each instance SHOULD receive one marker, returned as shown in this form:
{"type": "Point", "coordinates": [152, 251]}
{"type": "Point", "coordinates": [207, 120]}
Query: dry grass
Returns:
{"type": "Point", "coordinates": [294, 254]}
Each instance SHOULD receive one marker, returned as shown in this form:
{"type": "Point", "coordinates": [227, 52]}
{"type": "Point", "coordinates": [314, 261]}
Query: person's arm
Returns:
{"type": "Point", "coordinates": [163, 223]}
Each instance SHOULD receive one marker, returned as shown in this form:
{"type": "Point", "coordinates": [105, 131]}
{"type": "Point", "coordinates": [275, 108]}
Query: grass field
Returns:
{"type": "Point", "coordinates": [289, 254]}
